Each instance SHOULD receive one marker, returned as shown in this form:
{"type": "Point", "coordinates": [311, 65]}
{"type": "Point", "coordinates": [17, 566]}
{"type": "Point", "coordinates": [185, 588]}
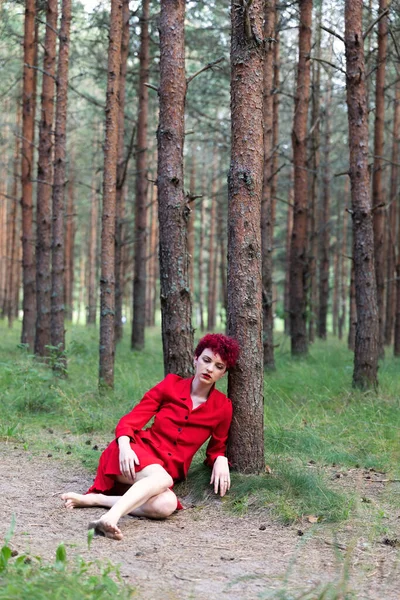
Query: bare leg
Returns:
{"type": "Point", "coordinates": [151, 481]}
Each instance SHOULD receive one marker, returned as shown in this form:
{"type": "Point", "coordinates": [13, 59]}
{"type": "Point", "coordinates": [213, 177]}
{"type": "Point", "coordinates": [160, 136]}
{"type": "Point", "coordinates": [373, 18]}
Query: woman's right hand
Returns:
{"type": "Point", "coordinates": [127, 459]}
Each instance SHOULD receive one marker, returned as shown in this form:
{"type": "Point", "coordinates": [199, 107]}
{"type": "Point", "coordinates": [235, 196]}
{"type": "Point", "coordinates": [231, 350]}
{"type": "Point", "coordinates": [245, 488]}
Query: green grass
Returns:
{"type": "Point", "coordinates": [311, 414]}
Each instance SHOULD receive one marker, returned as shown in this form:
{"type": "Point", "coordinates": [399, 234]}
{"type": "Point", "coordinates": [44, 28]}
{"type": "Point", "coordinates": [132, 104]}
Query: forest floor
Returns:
{"type": "Point", "coordinates": [206, 552]}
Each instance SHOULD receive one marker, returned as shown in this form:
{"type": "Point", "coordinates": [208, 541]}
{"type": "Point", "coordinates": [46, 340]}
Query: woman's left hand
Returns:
{"type": "Point", "coordinates": [220, 476]}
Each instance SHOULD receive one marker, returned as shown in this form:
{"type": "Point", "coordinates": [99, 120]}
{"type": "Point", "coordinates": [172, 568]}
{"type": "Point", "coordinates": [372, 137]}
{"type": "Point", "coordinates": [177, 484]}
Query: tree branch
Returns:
{"type": "Point", "coordinates": [41, 70]}
{"type": "Point", "coordinates": [208, 66]}
{"type": "Point", "coordinates": [152, 87]}
{"type": "Point", "coordinates": [332, 32]}
{"type": "Point", "coordinates": [378, 18]}
{"type": "Point", "coordinates": [326, 62]}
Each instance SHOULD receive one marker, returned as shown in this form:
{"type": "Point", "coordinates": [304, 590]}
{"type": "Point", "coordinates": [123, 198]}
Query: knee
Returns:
{"type": "Point", "coordinates": [163, 505]}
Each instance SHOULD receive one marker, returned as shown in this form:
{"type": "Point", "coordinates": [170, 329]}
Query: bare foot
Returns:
{"type": "Point", "coordinates": [101, 527]}
{"type": "Point", "coordinates": [73, 500]}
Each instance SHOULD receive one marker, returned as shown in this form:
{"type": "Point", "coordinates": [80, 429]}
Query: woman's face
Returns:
{"type": "Point", "coordinates": [209, 367]}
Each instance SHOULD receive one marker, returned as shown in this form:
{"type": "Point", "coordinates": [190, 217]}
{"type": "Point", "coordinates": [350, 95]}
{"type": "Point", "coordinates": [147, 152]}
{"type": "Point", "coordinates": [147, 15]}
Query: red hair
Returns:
{"type": "Point", "coordinates": [225, 346]}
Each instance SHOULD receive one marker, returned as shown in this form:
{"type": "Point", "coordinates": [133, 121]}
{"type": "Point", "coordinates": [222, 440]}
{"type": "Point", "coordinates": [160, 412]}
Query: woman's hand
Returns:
{"type": "Point", "coordinates": [127, 458]}
{"type": "Point", "coordinates": [220, 476]}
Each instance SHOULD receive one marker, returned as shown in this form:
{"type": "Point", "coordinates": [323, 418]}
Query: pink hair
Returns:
{"type": "Point", "coordinates": [225, 346]}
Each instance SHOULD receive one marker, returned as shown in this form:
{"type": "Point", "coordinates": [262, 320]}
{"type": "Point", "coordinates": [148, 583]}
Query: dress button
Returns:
{"type": "Point", "coordinates": [174, 443]}
{"type": "Point", "coordinates": [186, 418]}
{"type": "Point", "coordinates": [169, 454]}
{"type": "Point", "coordinates": [179, 428]}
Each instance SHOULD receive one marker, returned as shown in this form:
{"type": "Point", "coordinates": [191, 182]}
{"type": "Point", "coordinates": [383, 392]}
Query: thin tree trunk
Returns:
{"type": "Point", "coordinates": [366, 343]}
{"type": "Point", "coordinates": [152, 261]}
{"type": "Point", "coordinates": [60, 142]}
{"type": "Point", "coordinates": [92, 254]}
{"type": "Point", "coordinates": [391, 251]}
{"type": "Point", "coordinates": [28, 134]}
{"type": "Point", "coordinates": [107, 278]}
{"type": "Point", "coordinates": [201, 268]}
{"type": "Point", "coordinates": [120, 196]}
{"type": "Point", "coordinates": [139, 284]}
{"type": "Point", "coordinates": [69, 245]}
{"type": "Point", "coordinates": [212, 259]}
{"type": "Point", "coordinates": [245, 383]}
{"type": "Point", "coordinates": [298, 259]}
{"type": "Point", "coordinates": [44, 186]}
{"type": "Point", "coordinates": [397, 316]}
{"type": "Point", "coordinates": [324, 226]}
{"type": "Point", "coordinates": [3, 241]}
{"type": "Point", "coordinates": [14, 247]}
{"type": "Point", "coordinates": [351, 340]}
{"type": "Point", "coordinates": [336, 284]}
{"type": "Point", "coordinates": [267, 226]}
{"type": "Point", "coordinates": [377, 184]}
{"type": "Point", "coordinates": [343, 267]}
{"type": "Point", "coordinates": [314, 176]}
{"type": "Point", "coordinates": [289, 230]}
{"type": "Point", "coordinates": [191, 221]}
{"type": "Point", "coordinates": [221, 235]}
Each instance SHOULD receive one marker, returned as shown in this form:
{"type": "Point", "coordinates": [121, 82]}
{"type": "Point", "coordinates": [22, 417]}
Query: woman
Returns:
{"type": "Point", "coordinates": [138, 469]}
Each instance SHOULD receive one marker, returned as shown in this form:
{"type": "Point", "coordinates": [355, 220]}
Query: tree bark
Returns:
{"type": "Point", "coordinates": [60, 142]}
{"type": "Point", "coordinates": [107, 278]}
{"type": "Point", "coordinates": [377, 184]}
{"type": "Point", "coordinates": [267, 225]}
{"type": "Point", "coordinates": [176, 306]}
{"type": "Point", "coordinates": [397, 309]}
{"type": "Point", "coordinates": [120, 196]}
{"type": "Point", "coordinates": [212, 253]}
{"type": "Point", "coordinates": [298, 259]}
{"type": "Point", "coordinates": [391, 251]}
{"type": "Point", "coordinates": [13, 250]}
{"type": "Point", "coordinates": [151, 278]}
{"type": "Point", "coordinates": [344, 267]}
{"type": "Point", "coordinates": [28, 135]}
{"type": "Point", "coordinates": [324, 225]}
{"type": "Point", "coordinates": [70, 229]}
{"type": "Point", "coordinates": [139, 284]}
{"type": "Point", "coordinates": [289, 230]}
{"type": "Point", "coordinates": [366, 343]}
{"type": "Point", "coordinates": [191, 221]}
{"type": "Point", "coordinates": [245, 384]}
{"type": "Point", "coordinates": [44, 186]}
{"type": "Point", "coordinates": [201, 269]}
{"type": "Point", "coordinates": [92, 254]}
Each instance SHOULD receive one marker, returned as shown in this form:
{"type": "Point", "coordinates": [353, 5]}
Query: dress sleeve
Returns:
{"type": "Point", "coordinates": [142, 412]}
{"type": "Point", "coordinates": [217, 444]}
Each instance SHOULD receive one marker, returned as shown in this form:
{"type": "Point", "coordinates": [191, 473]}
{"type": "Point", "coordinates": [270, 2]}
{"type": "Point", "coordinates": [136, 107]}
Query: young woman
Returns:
{"type": "Point", "coordinates": [138, 469]}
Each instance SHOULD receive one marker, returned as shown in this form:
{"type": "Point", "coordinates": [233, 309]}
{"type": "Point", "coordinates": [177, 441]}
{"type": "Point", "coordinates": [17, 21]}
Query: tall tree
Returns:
{"type": "Point", "coordinates": [60, 141]}
{"type": "Point", "coordinates": [176, 306]}
{"type": "Point", "coordinates": [267, 226]}
{"type": "Point", "coordinates": [70, 230]}
{"type": "Point", "coordinates": [44, 186]}
{"type": "Point", "coordinates": [377, 183]}
{"type": "Point", "coordinates": [392, 222]}
{"type": "Point", "coordinates": [298, 258]}
{"type": "Point", "coordinates": [107, 278]}
{"type": "Point", "coordinates": [212, 253]}
{"type": "Point", "coordinates": [28, 129]}
{"type": "Point", "coordinates": [245, 384]}
{"type": "Point", "coordinates": [139, 284]}
{"type": "Point", "coordinates": [366, 343]}
{"type": "Point", "coordinates": [121, 175]}
{"type": "Point", "coordinates": [13, 249]}
{"type": "Point", "coordinates": [92, 254]}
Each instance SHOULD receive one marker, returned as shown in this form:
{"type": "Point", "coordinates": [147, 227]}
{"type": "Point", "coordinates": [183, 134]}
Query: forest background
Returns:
{"type": "Point", "coordinates": [309, 406]}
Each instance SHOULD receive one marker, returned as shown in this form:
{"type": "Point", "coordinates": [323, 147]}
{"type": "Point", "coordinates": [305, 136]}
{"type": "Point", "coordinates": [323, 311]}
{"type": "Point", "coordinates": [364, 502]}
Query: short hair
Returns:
{"type": "Point", "coordinates": [225, 346]}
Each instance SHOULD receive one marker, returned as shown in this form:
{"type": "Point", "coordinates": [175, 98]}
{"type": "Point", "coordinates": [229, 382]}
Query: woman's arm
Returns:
{"type": "Point", "coordinates": [215, 453]}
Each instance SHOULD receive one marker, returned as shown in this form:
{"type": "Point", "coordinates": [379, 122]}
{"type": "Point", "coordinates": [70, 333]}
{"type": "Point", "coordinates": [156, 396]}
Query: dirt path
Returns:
{"type": "Point", "coordinates": [202, 553]}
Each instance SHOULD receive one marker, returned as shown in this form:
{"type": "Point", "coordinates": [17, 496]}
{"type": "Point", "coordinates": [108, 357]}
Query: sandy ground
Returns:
{"type": "Point", "coordinates": [202, 553]}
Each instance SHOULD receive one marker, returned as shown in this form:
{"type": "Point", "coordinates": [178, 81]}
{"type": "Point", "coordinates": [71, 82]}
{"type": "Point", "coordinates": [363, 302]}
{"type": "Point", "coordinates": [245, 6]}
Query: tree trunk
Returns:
{"type": "Point", "coordinates": [69, 245]}
{"type": "Point", "coordinates": [212, 254]}
{"type": "Point", "coordinates": [57, 289]}
{"type": "Point", "coordinates": [44, 186]}
{"type": "Point", "coordinates": [201, 268]}
{"type": "Point", "coordinates": [289, 230]}
{"type": "Point", "coordinates": [343, 267]}
{"type": "Point", "coordinates": [377, 185]}
{"type": "Point", "coordinates": [314, 161]}
{"type": "Point", "coordinates": [139, 284]}
{"type": "Point", "coordinates": [298, 259]}
{"type": "Point", "coordinates": [267, 226]}
{"type": "Point", "coordinates": [192, 215]}
{"type": "Point", "coordinates": [13, 250]}
{"type": "Point", "coordinates": [397, 316]}
{"type": "Point", "coordinates": [391, 252]}
{"type": "Point", "coordinates": [324, 225]}
{"type": "Point", "coordinates": [351, 340]}
{"type": "Point", "coordinates": [366, 343]}
{"type": "Point", "coordinates": [151, 278]}
{"type": "Point", "coordinates": [221, 235]}
{"type": "Point", "coordinates": [176, 306]}
{"type": "Point", "coordinates": [245, 384]}
{"type": "Point", "coordinates": [92, 254]}
{"type": "Point", "coordinates": [28, 135]}
{"type": "Point", "coordinates": [107, 278]}
{"type": "Point", "coordinates": [120, 196]}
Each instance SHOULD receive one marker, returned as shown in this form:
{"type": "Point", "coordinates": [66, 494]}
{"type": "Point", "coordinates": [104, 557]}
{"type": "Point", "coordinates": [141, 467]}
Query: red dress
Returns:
{"type": "Point", "coordinates": [176, 434]}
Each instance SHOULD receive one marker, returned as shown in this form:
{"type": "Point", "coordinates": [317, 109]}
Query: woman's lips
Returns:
{"type": "Point", "coordinates": [206, 375]}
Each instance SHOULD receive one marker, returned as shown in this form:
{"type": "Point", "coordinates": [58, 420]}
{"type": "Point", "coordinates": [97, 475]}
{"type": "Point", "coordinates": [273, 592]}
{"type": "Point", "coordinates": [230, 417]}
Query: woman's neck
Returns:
{"type": "Point", "coordinates": [200, 389]}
